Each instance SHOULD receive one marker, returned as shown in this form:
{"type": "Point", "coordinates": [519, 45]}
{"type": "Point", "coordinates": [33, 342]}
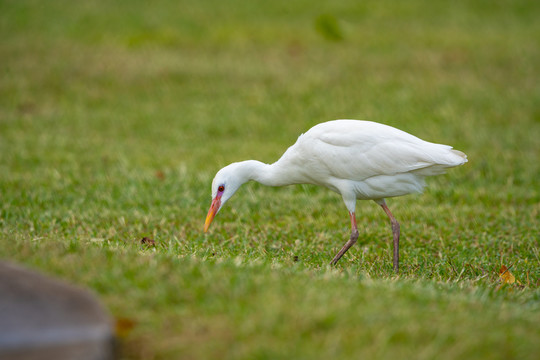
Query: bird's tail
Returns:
{"type": "Point", "coordinates": [447, 158]}
{"type": "Point", "coordinates": [461, 154]}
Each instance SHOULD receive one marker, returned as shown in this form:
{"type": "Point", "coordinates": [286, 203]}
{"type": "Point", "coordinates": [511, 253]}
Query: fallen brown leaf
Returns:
{"type": "Point", "coordinates": [123, 327]}
{"type": "Point", "coordinates": [160, 175]}
{"type": "Point", "coordinates": [506, 276]}
{"type": "Point", "coordinates": [148, 242]}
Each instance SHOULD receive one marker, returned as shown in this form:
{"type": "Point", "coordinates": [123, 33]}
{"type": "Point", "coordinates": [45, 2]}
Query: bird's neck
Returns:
{"type": "Point", "coordinates": [270, 175]}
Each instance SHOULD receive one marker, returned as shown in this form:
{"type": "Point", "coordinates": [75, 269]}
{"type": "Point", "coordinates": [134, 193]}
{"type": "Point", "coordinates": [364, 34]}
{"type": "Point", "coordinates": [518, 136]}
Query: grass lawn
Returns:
{"type": "Point", "coordinates": [115, 116]}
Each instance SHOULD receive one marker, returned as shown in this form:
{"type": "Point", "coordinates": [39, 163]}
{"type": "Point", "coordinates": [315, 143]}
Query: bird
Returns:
{"type": "Point", "coordinates": [358, 159]}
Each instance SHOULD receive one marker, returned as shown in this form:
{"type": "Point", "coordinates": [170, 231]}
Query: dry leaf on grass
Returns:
{"type": "Point", "coordinates": [123, 327]}
{"type": "Point", "coordinates": [160, 175]}
{"type": "Point", "coordinates": [506, 277]}
{"type": "Point", "coordinates": [148, 242]}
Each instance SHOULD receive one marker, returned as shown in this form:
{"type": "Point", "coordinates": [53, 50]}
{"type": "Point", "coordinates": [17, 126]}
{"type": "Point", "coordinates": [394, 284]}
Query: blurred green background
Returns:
{"type": "Point", "coordinates": [114, 117]}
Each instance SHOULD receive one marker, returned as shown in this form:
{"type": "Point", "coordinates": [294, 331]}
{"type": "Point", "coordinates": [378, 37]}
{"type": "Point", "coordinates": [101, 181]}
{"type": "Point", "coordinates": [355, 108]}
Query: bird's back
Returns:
{"type": "Point", "coordinates": [373, 159]}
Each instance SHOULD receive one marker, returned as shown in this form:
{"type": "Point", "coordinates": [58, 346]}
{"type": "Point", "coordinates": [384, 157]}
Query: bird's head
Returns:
{"type": "Point", "coordinates": [224, 185]}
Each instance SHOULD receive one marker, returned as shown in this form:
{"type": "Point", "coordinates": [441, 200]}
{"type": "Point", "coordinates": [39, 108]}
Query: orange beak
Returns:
{"type": "Point", "coordinates": [216, 204]}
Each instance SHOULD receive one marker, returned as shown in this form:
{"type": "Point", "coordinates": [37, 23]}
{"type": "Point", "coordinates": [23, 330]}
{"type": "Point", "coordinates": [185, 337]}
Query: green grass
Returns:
{"type": "Point", "coordinates": [114, 117]}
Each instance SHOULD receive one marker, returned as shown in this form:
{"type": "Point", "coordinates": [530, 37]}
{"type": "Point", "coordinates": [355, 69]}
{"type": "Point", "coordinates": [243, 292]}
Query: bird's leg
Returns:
{"type": "Point", "coordinates": [348, 244]}
{"type": "Point", "coordinates": [395, 232]}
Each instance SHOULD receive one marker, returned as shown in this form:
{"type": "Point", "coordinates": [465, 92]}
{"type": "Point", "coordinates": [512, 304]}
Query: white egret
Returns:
{"type": "Point", "coordinates": [357, 159]}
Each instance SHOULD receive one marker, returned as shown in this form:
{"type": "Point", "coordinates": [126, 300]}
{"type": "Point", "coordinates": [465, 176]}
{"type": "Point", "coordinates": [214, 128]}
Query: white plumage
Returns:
{"type": "Point", "coordinates": [358, 159]}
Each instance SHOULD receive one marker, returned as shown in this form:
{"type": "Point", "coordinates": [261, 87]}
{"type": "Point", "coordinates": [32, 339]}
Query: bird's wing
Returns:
{"type": "Point", "coordinates": [360, 152]}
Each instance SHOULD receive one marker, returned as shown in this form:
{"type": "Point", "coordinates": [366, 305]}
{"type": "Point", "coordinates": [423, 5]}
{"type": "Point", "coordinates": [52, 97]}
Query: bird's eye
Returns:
{"type": "Point", "coordinates": [221, 188]}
